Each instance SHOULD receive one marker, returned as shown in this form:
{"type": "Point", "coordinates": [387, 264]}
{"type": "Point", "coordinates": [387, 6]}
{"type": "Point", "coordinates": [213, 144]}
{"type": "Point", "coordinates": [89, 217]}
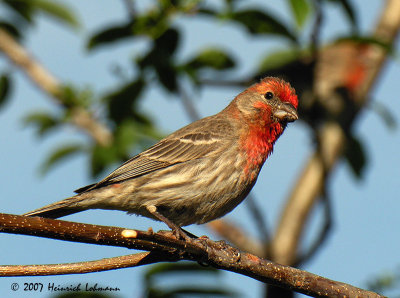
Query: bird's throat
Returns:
{"type": "Point", "coordinates": [259, 144]}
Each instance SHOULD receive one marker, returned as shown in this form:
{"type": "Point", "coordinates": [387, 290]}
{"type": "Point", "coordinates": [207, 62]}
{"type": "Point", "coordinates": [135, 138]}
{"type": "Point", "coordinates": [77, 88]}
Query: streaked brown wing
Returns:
{"type": "Point", "coordinates": [167, 152]}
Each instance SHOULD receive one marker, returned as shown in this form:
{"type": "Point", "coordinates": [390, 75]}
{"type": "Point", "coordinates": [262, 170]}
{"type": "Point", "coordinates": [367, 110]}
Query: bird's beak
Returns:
{"type": "Point", "coordinates": [286, 112]}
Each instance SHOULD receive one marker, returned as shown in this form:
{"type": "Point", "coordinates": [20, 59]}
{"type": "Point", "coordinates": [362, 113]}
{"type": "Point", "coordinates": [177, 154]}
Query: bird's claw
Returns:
{"type": "Point", "coordinates": [180, 234]}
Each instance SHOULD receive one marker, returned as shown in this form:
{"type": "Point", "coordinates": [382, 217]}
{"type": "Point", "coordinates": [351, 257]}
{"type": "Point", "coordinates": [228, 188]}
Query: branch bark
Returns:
{"type": "Point", "coordinates": [81, 267]}
{"type": "Point", "coordinates": [42, 78]}
{"type": "Point", "coordinates": [163, 246]}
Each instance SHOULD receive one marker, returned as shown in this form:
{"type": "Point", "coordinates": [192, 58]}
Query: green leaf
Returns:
{"type": "Point", "coordinates": [184, 6]}
{"type": "Point", "coordinates": [110, 35]}
{"type": "Point", "coordinates": [301, 10]}
{"type": "Point", "coordinates": [133, 134]}
{"type": "Point", "coordinates": [5, 87]}
{"type": "Point", "coordinates": [367, 40]}
{"type": "Point", "coordinates": [231, 4]}
{"type": "Point", "coordinates": [211, 58]}
{"type": "Point", "coordinates": [163, 49]}
{"type": "Point", "coordinates": [278, 59]}
{"type": "Point", "coordinates": [160, 58]}
{"type": "Point", "coordinates": [44, 121]}
{"type": "Point", "coordinates": [60, 154]}
{"type": "Point", "coordinates": [355, 156]}
{"type": "Point", "coordinates": [58, 11]}
{"type": "Point", "coordinates": [84, 294]}
{"type": "Point", "coordinates": [257, 22]}
{"type": "Point", "coordinates": [167, 75]}
{"type": "Point", "coordinates": [73, 96]}
{"type": "Point", "coordinates": [23, 8]}
{"type": "Point", "coordinates": [126, 135]}
{"type": "Point", "coordinates": [159, 271]}
{"type": "Point", "coordinates": [130, 135]}
{"type": "Point", "coordinates": [385, 282]}
{"type": "Point", "coordinates": [11, 29]}
{"type": "Point", "coordinates": [207, 12]}
{"type": "Point", "coordinates": [153, 25]}
{"type": "Point", "coordinates": [27, 9]}
{"type": "Point", "coordinates": [101, 157]}
{"type": "Point", "coordinates": [121, 102]}
{"type": "Point", "coordinates": [168, 42]}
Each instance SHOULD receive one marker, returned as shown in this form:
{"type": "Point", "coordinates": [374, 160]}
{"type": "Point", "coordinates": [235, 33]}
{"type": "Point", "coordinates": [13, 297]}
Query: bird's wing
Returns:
{"type": "Point", "coordinates": [176, 148]}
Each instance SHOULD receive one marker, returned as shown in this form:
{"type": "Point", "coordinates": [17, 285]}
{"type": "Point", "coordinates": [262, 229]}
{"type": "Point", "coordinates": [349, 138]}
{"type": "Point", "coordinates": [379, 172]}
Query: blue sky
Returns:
{"type": "Point", "coordinates": [363, 241]}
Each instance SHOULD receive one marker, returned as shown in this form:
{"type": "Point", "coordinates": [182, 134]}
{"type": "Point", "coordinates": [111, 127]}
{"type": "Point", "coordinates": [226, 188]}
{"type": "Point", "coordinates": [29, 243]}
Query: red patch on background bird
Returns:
{"type": "Point", "coordinates": [116, 185]}
{"type": "Point", "coordinates": [358, 70]}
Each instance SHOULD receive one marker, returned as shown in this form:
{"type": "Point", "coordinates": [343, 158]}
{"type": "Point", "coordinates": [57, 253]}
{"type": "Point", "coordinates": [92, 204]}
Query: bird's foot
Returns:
{"type": "Point", "coordinates": [180, 234]}
{"type": "Point", "coordinates": [177, 231]}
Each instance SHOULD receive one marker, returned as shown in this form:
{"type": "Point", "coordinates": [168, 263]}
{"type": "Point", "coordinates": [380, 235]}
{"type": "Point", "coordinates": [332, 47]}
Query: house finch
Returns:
{"type": "Point", "coordinates": [200, 172]}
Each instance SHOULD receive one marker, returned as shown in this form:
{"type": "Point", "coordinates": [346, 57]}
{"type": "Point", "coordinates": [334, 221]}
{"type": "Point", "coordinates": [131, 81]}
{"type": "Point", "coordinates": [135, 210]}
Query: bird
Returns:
{"type": "Point", "coordinates": [200, 172]}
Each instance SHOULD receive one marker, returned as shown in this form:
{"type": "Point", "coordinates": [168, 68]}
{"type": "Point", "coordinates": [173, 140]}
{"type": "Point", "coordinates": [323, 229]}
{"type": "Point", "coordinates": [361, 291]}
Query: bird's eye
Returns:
{"type": "Point", "coordinates": [269, 95]}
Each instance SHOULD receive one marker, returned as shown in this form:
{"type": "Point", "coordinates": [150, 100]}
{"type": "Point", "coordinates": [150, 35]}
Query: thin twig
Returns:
{"type": "Point", "coordinates": [316, 30]}
{"type": "Point", "coordinates": [120, 262]}
{"type": "Point", "coordinates": [323, 233]}
{"type": "Point", "coordinates": [259, 219]}
{"type": "Point", "coordinates": [188, 105]}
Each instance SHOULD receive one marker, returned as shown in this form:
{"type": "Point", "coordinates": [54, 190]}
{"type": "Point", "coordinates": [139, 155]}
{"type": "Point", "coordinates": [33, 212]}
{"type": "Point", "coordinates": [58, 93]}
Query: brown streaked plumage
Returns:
{"type": "Point", "coordinates": [200, 172]}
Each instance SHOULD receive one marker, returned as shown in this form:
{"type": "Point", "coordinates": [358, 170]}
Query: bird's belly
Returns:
{"type": "Point", "coordinates": [202, 194]}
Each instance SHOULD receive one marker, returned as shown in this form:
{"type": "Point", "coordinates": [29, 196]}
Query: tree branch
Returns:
{"type": "Point", "coordinates": [188, 105]}
{"type": "Point", "coordinates": [165, 247]}
{"type": "Point", "coordinates": [323, 233]}
{"type": "Point", "coordinates": [49, 84]}
{"type": "Point", "coordinates": [133, 260]}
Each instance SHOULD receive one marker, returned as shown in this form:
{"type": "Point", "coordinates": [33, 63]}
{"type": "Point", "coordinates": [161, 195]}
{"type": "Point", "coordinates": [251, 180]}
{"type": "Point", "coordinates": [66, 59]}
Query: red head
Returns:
{"type": "Point", "coordinates": [266, 107]}
{"type": "Point", "coordinates": [278, 87]}
{"type": "Point", "coordinates": [271, 100]}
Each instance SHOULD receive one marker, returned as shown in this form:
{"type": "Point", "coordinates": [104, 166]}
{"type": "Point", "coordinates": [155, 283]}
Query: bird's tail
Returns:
{"type": "Point", "coordinates": [58, 209]}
